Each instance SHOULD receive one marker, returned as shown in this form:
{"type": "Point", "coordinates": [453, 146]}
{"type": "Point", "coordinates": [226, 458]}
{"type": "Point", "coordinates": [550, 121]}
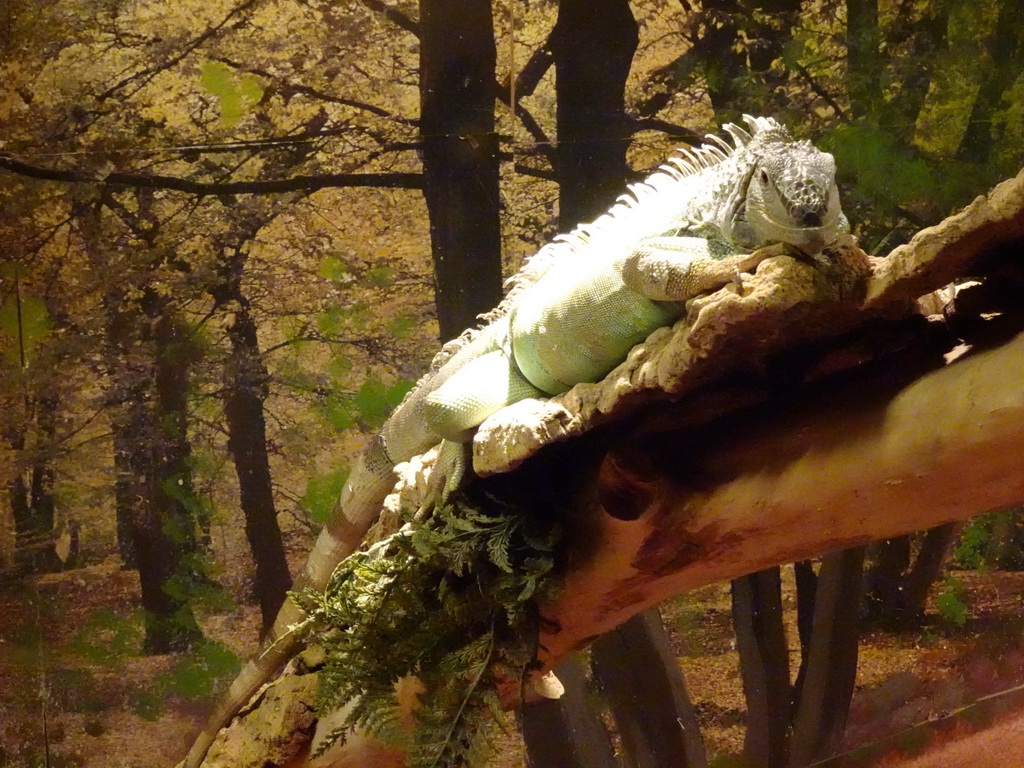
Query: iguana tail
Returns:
{"type": "Point", "coordinates": [371, 480]}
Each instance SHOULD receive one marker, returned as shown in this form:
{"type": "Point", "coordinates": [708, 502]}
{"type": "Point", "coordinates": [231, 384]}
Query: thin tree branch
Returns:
{"type": "Point", "coordinates": [393, 15]}
{"type": "Point", "coordinates": [154, 70]}
{"type": "Point", "coordinates": [316, 93]}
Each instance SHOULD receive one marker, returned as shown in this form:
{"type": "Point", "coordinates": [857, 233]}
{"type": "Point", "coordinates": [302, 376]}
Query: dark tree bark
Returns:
{"type": "Point", "coordinates": [638, 673]}
{"type": "Point", "coordinates": [567, 732]}
{"type": "Point", "coordinates": [897, 586]}
{"type": "Point", "coordinates": [793, 724]}
{"type": "Point", "coordinates": [828, 678]}
{"type": "Point", "coordinates": [764, 666]}
{"type": "Point", "coordinates": [884, 580]}
{"type": "Point", "coordinates": [928, 567]}
{"type": "Point", "coordinates": [31, 489]}
{"type": "Point", "coordinates": [863, 57]}
{"type": "Point", "coordinates": [1001, 67]}
{"type": "Point", "coordinates": [124, 487]}
{"type": "Point", "coordinates": [460, 158]}
{"type": "Point", "coordinates": [164, 534]}
{"type": "Point", "coordinates": [806, 594]}
{"type": "Point", "coordinates": [153, 488]}
{"type": "Point", "coordinates": [246, 391]}
{"type": "Point", "coordinates": [148, 358]}
{"type": "Point", "coordinates": [593, 44]}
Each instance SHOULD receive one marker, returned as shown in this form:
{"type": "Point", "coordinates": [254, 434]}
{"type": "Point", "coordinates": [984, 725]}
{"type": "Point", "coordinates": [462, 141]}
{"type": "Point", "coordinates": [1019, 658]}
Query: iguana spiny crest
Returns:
{"type": "Point", "coordinates": [765, 189]}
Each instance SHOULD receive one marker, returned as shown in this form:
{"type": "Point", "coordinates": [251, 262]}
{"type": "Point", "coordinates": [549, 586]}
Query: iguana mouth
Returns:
{"type": "Point", "coordinates": [809, 219]}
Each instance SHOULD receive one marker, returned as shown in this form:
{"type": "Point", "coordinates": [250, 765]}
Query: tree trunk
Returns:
{"type": "Point", "coordinates": [246, 391]}
{"type": "Point", "coordinates": [639, 675]}
{"type": "Point", "coordinates": [928, 567]}
{"type": "Point", "coordinates": [460, 158]}
{"type": "Point", "coordinates": [884, 581]}
{"type": "Point", "coordinates": [567, 732]}
{"type": "Point", "coordinates": [593, 45]}
{"type": "Point", "coordinates": [124, 488]}
{"type": "Point", "coordinates": [165, 533]}
{"type": "Point", "coordinates": [764, 666]}
{"type": "Point", "coordinates": [148, 357]}
{"type": "Point", "coordinates": [31, 489]}
{"type": "Point", "coordinates": [896, 589]}
{"type": "Point", "coordinates": [820, 713]}
{"type": "Point", "coordinates": [864, 65]}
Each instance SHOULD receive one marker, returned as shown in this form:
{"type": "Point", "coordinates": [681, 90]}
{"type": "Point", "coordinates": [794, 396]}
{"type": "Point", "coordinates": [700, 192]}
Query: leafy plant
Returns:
{"type": "Point", "coordinates": [970, 551]}
{"type": "Point", "coordinates": [108, 638]}
{"type": "Point", "coordinates": [995, 540]}
{"type": "Point", "coordinates": [451, 600]}
{"type": "Point", "coordinates": [950, 602]}
{"type": "Point", "coordinates": [196, 674]}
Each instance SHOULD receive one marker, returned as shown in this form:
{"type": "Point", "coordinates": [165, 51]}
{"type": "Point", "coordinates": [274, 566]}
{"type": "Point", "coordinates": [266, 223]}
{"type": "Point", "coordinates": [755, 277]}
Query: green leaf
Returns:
{"type": "Point", "coordinates": [23, 327]}
{"type": "Point", "coordinates": [375, 400]}
{"type": "Point", "coordinates": [331, 321]}
{"type": "Point", "coordinates": [951, 608]}
{"type": "Point", "coordinates": [337, 409]}
{"type": "Point", "coordinates": [401, 327]}
{"type": "Point", "coordinates": [196, 675]}
{"type": "Point", "coordinates": [334, 269]}
{"type": "Point", "coordinates": [380, 276]}
{"type": "Point", "coordinates": [884, 172]}
{"type": "Point", "coordinates": [236, 94]}
{"type": "Point", "coordinates": [322, 494]}
{"type": "Point", "coordinates": [339, 368]}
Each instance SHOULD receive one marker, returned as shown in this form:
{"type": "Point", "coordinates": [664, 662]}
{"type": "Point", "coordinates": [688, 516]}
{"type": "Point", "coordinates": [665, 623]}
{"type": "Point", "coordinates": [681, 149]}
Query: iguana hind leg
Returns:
{"type": "Point", "coordinates": [481, 387]}
{"type": "Point", "coordinates": [477, 390]}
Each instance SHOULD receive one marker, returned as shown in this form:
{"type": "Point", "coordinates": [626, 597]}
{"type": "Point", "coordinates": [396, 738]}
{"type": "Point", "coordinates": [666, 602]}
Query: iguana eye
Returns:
{"type": "Point", "coordinates": [764, 177]}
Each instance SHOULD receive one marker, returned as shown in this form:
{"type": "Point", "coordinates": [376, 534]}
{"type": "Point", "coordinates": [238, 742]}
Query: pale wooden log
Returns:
{"type": "Point", "coordinates": [831, 474]}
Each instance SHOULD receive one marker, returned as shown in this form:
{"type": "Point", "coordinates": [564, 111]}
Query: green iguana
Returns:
{"type": "Point", "coordinates": [570, 316]}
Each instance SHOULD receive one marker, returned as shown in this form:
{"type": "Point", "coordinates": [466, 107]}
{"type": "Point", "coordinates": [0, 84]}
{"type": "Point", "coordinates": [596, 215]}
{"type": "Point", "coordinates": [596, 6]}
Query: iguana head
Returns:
{"type": "Point", "coordinates": [786, 191]}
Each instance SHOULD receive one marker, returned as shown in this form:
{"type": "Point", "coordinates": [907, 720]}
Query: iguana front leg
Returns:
{"type": "Point", "coordinates": [679, 268]}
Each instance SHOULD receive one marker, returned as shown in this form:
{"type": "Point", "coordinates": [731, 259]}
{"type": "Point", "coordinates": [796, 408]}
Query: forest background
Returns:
{"type": "Point", "coordinates": [223, 224]}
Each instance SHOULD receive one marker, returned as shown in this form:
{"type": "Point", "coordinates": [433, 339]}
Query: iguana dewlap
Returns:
{"type": "Point", "coordinates": [573, 313]}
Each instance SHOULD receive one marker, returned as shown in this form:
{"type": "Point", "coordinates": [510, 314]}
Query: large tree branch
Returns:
{"type": "Point", "coordinates": [858, 464]}
{"type": "Point", "coordinates": [156, 181]}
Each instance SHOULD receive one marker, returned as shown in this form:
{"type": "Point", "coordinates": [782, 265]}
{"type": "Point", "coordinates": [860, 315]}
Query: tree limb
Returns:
{"type": "Point", "coordinates": [156, 181]}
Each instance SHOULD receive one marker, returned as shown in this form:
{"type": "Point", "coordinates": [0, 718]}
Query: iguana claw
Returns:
{"type": "Point", "coordinates": [446, 476]}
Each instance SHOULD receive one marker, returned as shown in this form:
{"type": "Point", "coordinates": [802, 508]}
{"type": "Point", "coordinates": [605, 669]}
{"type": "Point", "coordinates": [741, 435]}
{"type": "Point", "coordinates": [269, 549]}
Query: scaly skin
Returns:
{"type": "Point", "coordinates": [572, 314]}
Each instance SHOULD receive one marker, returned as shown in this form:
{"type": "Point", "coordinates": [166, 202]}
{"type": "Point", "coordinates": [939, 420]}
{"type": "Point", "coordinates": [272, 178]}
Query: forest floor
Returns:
{"type": "Point", "coordinates": [75, 692]}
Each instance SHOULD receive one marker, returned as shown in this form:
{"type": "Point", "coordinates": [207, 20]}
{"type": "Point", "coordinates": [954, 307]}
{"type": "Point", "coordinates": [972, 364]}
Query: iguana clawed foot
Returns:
{"type": "Point", "coordinates": [445, 477]}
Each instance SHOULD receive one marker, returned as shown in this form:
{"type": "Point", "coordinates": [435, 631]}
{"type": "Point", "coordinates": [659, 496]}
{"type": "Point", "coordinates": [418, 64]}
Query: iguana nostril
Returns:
{"type": "Point", "coordinates": [811, 219]}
